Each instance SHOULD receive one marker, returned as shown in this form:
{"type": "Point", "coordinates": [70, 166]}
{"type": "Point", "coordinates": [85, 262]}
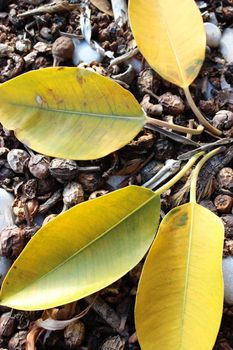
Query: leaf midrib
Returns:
{"type": "Point", "coordinates": [80, 113]}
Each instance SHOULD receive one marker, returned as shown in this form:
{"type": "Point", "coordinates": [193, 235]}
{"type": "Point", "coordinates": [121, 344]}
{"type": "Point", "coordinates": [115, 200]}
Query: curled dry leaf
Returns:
{"type": "Point", "coordinates": [103, 5]}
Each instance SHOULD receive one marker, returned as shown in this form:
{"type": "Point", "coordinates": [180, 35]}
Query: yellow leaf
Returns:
{"type": "Point", "coordinates": [180, 296]}
{"type": "Point", "coordinates": [170, 34]}
{"type": "Point", "coordinates": [83, 250]}
{"type": "Point", "coordinates": [70, 112]}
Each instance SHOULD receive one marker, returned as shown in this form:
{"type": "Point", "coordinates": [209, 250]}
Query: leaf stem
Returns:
{"type": "Point", "coordinates": [175, 127]}
{"type": "Point", "coordinates": [199, 115]}
{"type": "Point", "coordinates": [179, 175]}
{"type": "Point", "coordinates": [196, 171]}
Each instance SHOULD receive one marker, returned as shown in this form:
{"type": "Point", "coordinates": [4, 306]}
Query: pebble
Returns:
{"type": "Point", "coordinates": [226, 45]}
{"type": "Point", "coordinates": [213, 35]}
{"type": "Point", "coordinates": [83, 52]}
{"type": "Point", "coordinates": [227, 267]}
{"type": "Point", "coordinates": [6, 219]}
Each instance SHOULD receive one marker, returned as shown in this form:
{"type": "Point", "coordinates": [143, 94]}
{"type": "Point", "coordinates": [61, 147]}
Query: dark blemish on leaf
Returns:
{"type": "Point", "coordinates": [174, 211]}
{"type": "Point", "coordinates": [193, 67]}
{"type": "Point", "coordinates": [60, 68]}
{"type": "Point", "coordinates": [79, 79]}
{"type": "Point", "coordinates": [183, 220]}
{"type": "Point", "coordinates": [14, 267]}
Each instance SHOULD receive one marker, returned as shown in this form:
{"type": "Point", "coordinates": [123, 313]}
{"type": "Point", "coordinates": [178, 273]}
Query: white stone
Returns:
{"type": "Point", "coordinates": [84, 52]}
{"type": "Point", "coordinates": [227, 268]}
{"type": "Point", "coordinates": [226, 45]}
{"type": "Point", "coordinates": [6, 213]}
{"type": "Point", "coordinates": [6, 219]}
{"type": "Point", "coordinates": [213, 35]}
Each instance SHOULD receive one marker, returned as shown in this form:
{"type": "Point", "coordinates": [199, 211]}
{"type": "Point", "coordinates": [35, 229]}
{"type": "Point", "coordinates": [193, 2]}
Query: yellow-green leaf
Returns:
{"type": "Point", "coordinates": [83, 250]}
{"type": "Point", "coordinates": [182, 280]}
{"type": "Point", "coordinates": [170, 34]}
{"type": "Point", "coordinates": [70, 112]}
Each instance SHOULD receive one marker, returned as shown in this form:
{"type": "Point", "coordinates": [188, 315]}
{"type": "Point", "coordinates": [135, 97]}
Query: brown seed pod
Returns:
{"type": "Point", "coordinates": [223, 203]}
{"type": "Point", "coordinates": [74, 334]}
{"type": "Point", "coordinates": [116, 343]}
{"type": "Point", "coordinates": [7, 325]}
{"type": "Point", "coordinates": [90, 181]}
{"type": "Point", "coordinates": [73, 194]}
{"type": "Point", "coordinates": [29, 188]}
{"type": "Point", "coordinates": [62, 50]}
{"type": "Point", "coordinates": [223, 120]}
{"type": "Point", "coordinates": [18, 341]}
{"type": "Point", "coordinates": [63, 169]}
{"type": "Point", "coordinates": [39, 166]}
{"type": "Point", "coordinates": [208, 107]}
{"type": "Point", "coordinates": [172, 104]}
{"type": "Point", "coordinates": [12, 241]}
{"type": "Point", "coordinates": [225, 178]}
{"type": "Point", "coordinates": [32, 206]}
{"type": "Point", "coordinates": [18, 160]}
{"type": "Point", "coordinates": [228, 224]}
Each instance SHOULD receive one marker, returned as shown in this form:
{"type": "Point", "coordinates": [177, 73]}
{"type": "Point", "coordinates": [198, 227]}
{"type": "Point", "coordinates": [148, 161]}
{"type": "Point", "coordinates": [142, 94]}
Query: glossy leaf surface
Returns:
{"type": "Point", "coordinates": [70, 112]}
{"type": "Point", "coordinates": [83, 250]}
{"type": "Point", "coordinates": [170, 34]}
{"type": "Point", "coordinates": [182, 280]}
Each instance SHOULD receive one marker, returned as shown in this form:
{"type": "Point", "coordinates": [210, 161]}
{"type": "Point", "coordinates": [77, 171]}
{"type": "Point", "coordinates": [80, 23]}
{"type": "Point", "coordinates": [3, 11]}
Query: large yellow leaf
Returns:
{"type": "Point", "coordinates": [170, 34]}
{"type": "Point", "coordinates": [70, 112]}
{"type": "Point", "coordinates": [83, 250]}
{"type": "Point", "coordinates": [180, 296]}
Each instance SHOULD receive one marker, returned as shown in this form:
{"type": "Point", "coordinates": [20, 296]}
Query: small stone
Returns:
{"type": "Point", "coordinates": [227, 268]}
{"type": "Point", "coordinates": [228, 225]}
{"type": "Point", "coordinates": [226, 45]}
{"type": "Point", "coordinates": [84, 52]}
{"type": "Point", "coordinates": [23, 46]}
{"type": "Point", "coordinates": [213, 35]}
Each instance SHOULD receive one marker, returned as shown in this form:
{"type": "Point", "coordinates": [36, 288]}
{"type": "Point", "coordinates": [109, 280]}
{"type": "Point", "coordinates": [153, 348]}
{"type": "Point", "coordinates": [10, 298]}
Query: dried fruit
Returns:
{"type": "Point", "coordinates": [116, 343]}
{"type": "Point", "coordinates": [228, 224]}
{"type": "Point", "coordinates": [172, 104]}
{"type": "Point", "coordinates": [74, 334]}
{"type": "Point", "coordinates": [49, 218]}
{"type": "Point", "coordinates": [90, 181]}
{"type": "Point", "coordinates": [63, 169]}
{"type": "Point", "coordinates": [21, 213]}
{"type": "Point", "coordinates": [225, 178]}
{"type": "Point", "coordinates": [223, 203]}
{"type": "Point", "coordinates": [223, 120]}
{"type": "Point", "coordinates": [73, 194]}
{"type": "Point", "coordinates": [29, 188]}
{"type": "Point", "coordinates": [7, 325]}
{"type": "Point", "coordinates": [18, 341]}
{"type": "Point", "coordinates": [18, 160]}
{"type": "Point", "coordinates": [62, 50]}
{"type": "Point", "coordinates": [39, 166]}
{"type": "Point", "coordinates": [12, 241]}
